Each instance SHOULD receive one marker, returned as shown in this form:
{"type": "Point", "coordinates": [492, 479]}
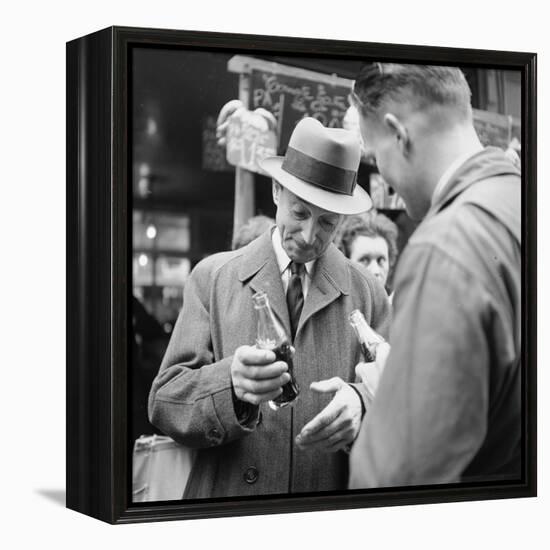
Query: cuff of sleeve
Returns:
{"type": "Point", "coordinates": [246, 413]}
{"type": "Point", "coordinates": [362, 398]}
{"type": "Point", "coordinates": [233, 421]}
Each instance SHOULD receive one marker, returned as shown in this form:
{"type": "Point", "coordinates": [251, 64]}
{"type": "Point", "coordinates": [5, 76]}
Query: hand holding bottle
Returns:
{"type": "Point", "coordinates": [272, 336]}
{"type": "Point", "coordinates": [256, 375]}
{"type": "Point", "coordinates": [371, 372]}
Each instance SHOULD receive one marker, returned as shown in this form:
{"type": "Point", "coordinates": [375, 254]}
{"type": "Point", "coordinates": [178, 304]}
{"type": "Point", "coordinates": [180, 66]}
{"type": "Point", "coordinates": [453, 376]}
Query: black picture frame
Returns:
{"type": "Point", "coordinates": [98, 278]}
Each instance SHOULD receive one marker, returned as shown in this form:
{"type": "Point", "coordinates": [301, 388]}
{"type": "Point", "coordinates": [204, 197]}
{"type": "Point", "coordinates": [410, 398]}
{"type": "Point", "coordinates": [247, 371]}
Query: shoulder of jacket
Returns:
{"type": "Point", "coordinates": [211, 265]}
{"type": "Point", "coordinates": [450, 223]}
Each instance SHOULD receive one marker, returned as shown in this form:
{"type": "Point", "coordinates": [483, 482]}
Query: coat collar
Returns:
{"type": "Point", "coordinates": [488, 162]}
{"type": "Point", "coordinates": [330, 278]}
{"type": "Point", "coordinates": [260, 269]}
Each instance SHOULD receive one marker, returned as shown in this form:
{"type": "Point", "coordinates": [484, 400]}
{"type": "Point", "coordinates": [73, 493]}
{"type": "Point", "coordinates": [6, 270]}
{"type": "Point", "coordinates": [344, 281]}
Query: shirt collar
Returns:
{"type": "Point", "coordinates": [445, 179]}
{"type": "Point", "coordinates": [283, 260]}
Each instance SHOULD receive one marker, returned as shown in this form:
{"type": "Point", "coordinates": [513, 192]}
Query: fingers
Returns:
{"type": "Point", "coordinates": [258, 364]}
{"type": "Point", "coordinates": [249, 355]}
{"type": "Point", "coordinates": [329, 422]}
{"type": "Point", "coordinates": [339, 445]}
{"type": "Point", "coordinates": [331, 438]}
{"type": "Point", "coordinates": [264, 372]}
{"type": "Point", "coordinates": [321, 431]}
{"type": "Point", "coordinates": [327, 386]}
{"type": "Point", "coordinates": [340, 440]}
{"type": "Point", "coordinates": [326, 417]}
{"type": "Point", "coordinates": [248, 385]}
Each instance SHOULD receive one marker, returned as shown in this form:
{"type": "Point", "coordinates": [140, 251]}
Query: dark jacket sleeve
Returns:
{"type": "Point", "coordinates": [191, 399]}
{"type": "Point", "coordinates": [429, 416]}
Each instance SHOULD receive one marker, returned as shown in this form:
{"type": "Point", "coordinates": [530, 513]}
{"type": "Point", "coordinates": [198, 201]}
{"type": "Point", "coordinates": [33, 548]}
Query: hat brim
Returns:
{"type": "Point", "coordinates": [333, 202]}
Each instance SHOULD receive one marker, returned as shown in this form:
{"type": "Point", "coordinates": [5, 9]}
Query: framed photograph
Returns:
{"type": "Point", "coordinates": [218, 189]}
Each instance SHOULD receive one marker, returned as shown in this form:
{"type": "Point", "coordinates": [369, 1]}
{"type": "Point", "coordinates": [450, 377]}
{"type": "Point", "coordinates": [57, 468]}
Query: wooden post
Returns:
{"type": "Point", "coordinates": [244, 179]}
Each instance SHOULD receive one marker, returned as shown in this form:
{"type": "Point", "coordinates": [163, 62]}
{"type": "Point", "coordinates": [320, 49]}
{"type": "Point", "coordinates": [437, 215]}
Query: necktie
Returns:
{"type": "Point", "coordinates": [295, 296]}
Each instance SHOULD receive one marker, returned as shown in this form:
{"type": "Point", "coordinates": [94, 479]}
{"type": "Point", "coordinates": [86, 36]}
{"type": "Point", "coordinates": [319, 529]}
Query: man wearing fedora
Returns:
{"type": "Point", "coordinates": [448, 407]}
{"type": "Point", "coordinates": [213, 386]}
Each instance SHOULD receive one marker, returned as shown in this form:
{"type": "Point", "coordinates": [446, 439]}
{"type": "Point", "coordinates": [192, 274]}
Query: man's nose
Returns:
{"type": "Point", "coordinates": [308, 231]}
{"type": "Point", "coordinates": [374, 267]}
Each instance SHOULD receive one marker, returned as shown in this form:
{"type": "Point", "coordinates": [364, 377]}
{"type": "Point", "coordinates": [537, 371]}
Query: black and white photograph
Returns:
{"type": "Point", "coordinates": [273, 275]}
{"type": "Point", "coordinates": [326, 275]}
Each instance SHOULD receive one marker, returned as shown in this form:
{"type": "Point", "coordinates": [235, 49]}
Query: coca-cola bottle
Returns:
{"type": "Point", "coordinates": [368, 338]}
{"type": "Point", "coordinates": [271, 335]}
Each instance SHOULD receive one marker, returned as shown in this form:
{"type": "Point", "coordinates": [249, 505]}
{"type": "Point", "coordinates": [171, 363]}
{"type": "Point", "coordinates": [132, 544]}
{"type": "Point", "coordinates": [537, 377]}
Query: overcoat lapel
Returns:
{"type": "Point", "coordinates": [261, 272]}
{"type": "Point", "coordinates": [330, 280]}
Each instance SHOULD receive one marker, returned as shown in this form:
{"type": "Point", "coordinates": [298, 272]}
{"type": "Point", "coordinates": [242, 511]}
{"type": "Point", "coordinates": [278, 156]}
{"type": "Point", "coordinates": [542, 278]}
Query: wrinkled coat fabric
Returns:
{"type": "Point", "coordinates": [192, 401]}
{"type": "Point", "coordinates": [448, 407]}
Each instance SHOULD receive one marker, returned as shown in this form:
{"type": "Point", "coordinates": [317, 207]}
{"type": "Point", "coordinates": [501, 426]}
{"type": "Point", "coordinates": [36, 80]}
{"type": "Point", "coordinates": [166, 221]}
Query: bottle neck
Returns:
{"type": "Point", "coordinates": [270, 331]}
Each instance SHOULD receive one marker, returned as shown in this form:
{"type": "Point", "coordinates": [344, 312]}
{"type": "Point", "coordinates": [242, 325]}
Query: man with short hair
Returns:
{"type": "Point", "coordinates": [213, 385]}
{"type": "Point", "coordinates": [448, 407]}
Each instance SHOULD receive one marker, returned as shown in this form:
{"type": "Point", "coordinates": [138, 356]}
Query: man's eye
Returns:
{"type": "Point", "coordinates": [328, 224]}
{"type": "Point", "coordinates": [299, 214]}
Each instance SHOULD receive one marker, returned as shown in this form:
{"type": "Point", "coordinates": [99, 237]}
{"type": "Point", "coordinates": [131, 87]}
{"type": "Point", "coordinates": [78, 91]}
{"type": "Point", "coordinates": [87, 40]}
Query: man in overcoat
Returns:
{"type": "Point", "coordinates": [213, 387]}
{"type": "Point", "coordinates": [448, 407]}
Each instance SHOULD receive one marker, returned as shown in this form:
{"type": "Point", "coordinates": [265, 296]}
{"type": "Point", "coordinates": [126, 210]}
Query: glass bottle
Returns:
{"type": "Point", "coordinates": [368, 339]}
{"type": "Point", "coordinates": [271, 335]}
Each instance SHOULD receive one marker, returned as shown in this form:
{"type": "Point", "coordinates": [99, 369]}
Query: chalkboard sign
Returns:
{"type": "Point", "coordinates": [249, 140]}
{"type": "Point", "coordinates": [290, 98]}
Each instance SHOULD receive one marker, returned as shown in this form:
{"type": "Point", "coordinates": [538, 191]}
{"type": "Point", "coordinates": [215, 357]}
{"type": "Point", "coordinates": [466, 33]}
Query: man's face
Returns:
{"type": "Point", "coordinates": [373, 253]}
{"type": "Point", "coordinates": [382, 144]}
{"type": "Point", "coordinates": [306, 230]}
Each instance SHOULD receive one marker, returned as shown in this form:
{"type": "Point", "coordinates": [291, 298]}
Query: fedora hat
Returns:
{"type": "Point", "coordinates": [320, 166]}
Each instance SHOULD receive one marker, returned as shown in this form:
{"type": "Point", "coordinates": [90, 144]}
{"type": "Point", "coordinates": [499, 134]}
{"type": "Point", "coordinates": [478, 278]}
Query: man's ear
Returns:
{"type": "Point", "coordinates": [276, 189]}
{"type": "Point", "coordinates": [398, 130]}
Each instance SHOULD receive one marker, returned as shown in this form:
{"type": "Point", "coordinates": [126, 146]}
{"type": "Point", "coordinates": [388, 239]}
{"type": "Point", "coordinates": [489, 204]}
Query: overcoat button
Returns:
{"type": "Point", "coordinates": [214, 433]}
{"type": "Point", "coordinates": [251, 475]}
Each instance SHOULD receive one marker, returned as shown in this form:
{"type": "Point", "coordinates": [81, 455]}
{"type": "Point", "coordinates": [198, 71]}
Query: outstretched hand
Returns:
{"type": "Point", "coordinates": [337, 425]}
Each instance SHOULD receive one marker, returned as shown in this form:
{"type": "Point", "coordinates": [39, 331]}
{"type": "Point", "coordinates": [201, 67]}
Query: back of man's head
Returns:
{"type": "Point", "coordinates": [420, 88]}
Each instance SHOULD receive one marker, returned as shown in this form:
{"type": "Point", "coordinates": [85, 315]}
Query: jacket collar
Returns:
{"type": "Point", "coordinates": [330, 280]}
{"type": "Point", "coordinates": [488, 162]}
